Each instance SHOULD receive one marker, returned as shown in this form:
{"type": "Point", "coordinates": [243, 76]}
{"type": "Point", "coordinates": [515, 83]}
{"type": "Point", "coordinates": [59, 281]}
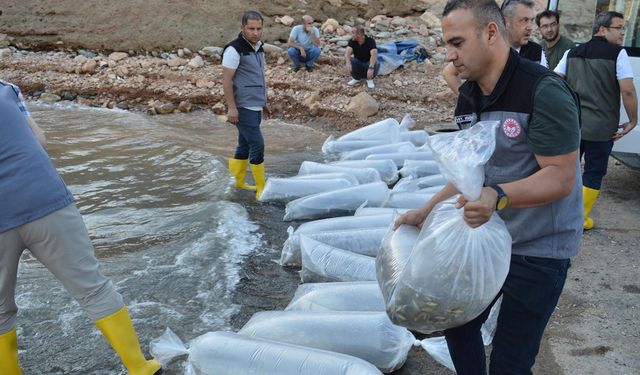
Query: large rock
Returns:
{"type": "Point", "coordinates": [117, 56]}
{"type": "Point", "coordinates": [5, 52]}
{"type": "Point", "coordinates": [364, 105]}
{"type": "Point", "coordinates": [431, 20]}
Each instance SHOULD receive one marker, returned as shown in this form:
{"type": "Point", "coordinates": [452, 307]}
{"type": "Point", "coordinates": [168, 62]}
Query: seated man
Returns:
{"type": "Point", "coordinates": [361, 57]}
{"type": "Point", "coordinates": [304, 44]}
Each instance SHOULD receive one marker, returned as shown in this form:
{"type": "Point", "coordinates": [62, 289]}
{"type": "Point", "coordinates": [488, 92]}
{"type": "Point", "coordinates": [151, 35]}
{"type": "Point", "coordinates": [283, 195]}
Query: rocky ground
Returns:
{"type": "Point", "coordinates": [159, 82]}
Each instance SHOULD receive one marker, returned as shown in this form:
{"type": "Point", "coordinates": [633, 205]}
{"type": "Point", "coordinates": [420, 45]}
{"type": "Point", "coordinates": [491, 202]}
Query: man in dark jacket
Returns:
{"type": "Point", "coordinates": [245, 91]}
{"type": "Point", "coordinates": [532, 181]}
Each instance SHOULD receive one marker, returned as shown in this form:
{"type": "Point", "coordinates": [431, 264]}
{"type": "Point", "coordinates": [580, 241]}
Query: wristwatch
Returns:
{"type": "Point", "coordinates": [371, 67]}
{"type": "Point", "coordinates": [503, 199]}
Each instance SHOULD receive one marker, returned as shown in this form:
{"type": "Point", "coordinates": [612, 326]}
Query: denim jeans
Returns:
{"type": "Point", "coordinates": [529, 295]}
{"type": "Point", "coordinates": [359, 69]}
{"type": "Point", "coordinates": [596, 158]}
{"type": "Point", "coordinates": [250, 140]}
{"type": "Point", "coordinates": [296, 58]}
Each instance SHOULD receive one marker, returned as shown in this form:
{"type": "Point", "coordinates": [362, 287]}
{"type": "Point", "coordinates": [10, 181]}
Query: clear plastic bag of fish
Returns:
{"type": "Point", "coordinates": [228, 353]}
{"type": "Point", "coordinates": [367, 211]}
{"type": "Point", "coordinates": [407, 123]}
{"type": "Point", "coordinates": [365, 241]}
{"type": "Point", "coordinates": [329, 176]}
{"type": "Point", "coordinates": [285, 189]}
{"type": "Point", "coordinates": [326, 263]}
{"type": "Point", "coordinates": [337, 202]}
{"type": "Point", "coordinates": [337, 296]}
{"type": "Point", "coordinates": [364, 175]}
{"type": "Point", "coordinates": [392, 148]}
{"type": "Point", "coordinates": [334, 146]}
{"type": "Point", "coordinates": [406, 199]}
{"type": "Point", "coordinates": [417, 137]}
{"type": "Point", "coordinates": [454, 271]}
{"type": "Point", "coordinates": [419, 168]}
{"type": "Point", "coordinates": [415, 184]}
{"type": "Point", "coordinates": [387, 168]}
{"type": "Point", "coordinates": [370, 336]}
{"type": "Point", "coordinates": [346, 228]}
{"type": "Point", "coordinates": [400, 157]}
{"type": "Point", "coordinates": [387, 130]}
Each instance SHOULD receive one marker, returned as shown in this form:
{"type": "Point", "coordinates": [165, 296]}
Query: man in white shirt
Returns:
{"type": "Point", "coordinates": [245, 91]}
{"type": "Point", "coordinates": [599, 71]}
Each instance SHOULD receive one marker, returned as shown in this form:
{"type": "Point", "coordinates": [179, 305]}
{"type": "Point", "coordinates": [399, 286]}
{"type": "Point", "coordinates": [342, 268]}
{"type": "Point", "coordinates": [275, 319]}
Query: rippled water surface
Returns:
{"type": "Point", "coordinates": [167, 226]}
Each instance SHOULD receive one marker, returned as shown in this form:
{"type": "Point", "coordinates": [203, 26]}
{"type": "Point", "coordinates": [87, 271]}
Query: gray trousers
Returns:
{"type": "Point", "coordinates": [60, 242]}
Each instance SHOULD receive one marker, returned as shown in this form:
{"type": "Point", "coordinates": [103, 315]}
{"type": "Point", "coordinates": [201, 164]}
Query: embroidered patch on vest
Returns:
{"type": "Point", "coordinates": [511, 128]}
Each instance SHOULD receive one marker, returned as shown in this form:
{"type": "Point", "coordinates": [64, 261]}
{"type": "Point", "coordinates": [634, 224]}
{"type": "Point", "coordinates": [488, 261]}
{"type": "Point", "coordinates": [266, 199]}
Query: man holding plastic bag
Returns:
{"type": "Point", "coordinates": [531, 181]}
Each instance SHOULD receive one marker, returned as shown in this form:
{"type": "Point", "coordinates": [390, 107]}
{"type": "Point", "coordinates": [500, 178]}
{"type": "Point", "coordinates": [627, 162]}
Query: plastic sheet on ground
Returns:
{"type": "Point", "coordinates": [392, 148]}
{"type": "Point", "coordinates": [419, 168]}
{"type": "Point", "coordinates": [367, 335]}
{"type": "Point", "coordinates": [393, 54]}
{"type": "Point", "coordinates": [387, 168]}
{"type": "Point", "coordinates": [400, 157]}
{"type": "Point", "coordinates": [387, 130]}
{"type": "Point", "coordinates": [415, 184]}
{"type": "Point", "coordinates": [347, 228]}
{"type": "Point", "coordinates": [227, 353]}
{"type": "Point", "coordinates": [334, 146]}
{"type": "Point", "coordinates": [454, 271]}
{"type": "Point", "coordinates": [337, 202]}
{"type": "Point", "coordinates": [338, 296]}
{"type": "Point", "coordinates": [411, 200]}
{"type": "Point", "coordinates": [325, 263]}
{"type": "Point", "coordinates": [364, 175]}
{"type": "Point", "coordinates": [285, 189]}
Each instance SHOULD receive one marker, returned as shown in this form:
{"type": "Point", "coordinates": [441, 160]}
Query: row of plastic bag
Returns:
{"type": "Point", "coordinates": [377, 282]}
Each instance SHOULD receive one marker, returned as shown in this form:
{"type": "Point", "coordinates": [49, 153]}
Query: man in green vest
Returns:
{"type": "Point", "coordinates": [553, 43]}
{"type": "Point", "coordinates": [599, 71]}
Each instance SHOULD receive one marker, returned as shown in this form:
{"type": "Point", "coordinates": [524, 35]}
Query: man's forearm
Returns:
{"type": "Point", "coordinates": [630, 103]}
{"type": "Point", "coordinates": [227, 86]}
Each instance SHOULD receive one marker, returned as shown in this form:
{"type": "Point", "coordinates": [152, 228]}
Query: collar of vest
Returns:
{"type": "Point", "coordinates": [243, 45]}
{"type": "Point", "coordinates": [597, 38]}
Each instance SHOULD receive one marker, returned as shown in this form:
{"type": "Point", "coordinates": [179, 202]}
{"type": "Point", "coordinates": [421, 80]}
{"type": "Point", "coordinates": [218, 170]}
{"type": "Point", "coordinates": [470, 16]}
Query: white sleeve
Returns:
{"type": "Point", "coordinates": [543, 60]}
{"type": "Point", "coordinates": [230, 58]}
{"type": "Point", "coordinates": [561, 68]}
{"type": "Point", "coordinates": [623, 66]}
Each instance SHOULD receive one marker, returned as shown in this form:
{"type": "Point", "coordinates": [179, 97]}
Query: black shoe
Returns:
{"type": "Point", "coordinates": [309, 69]}
{"type": "Point", "coordinates": [295, 70]}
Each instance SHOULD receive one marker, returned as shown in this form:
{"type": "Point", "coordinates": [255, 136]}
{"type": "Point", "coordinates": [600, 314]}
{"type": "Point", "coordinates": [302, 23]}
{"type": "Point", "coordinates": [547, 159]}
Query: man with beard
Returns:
{"type": "Point", "coordinates": [554, 44]}
{"type": "Point", "coordinates": [245, 91]}
{"type": "Point", "coordinates": [518, 16]}
{"type": "Point", "coordinates": [599, 71]}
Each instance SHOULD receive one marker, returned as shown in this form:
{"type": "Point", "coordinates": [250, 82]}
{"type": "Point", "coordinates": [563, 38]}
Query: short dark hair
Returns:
{"type": "Point", "coordinates": [251, 15]}
{"type": "Point", "coordinates": [604, 19]}
{"type": "Point", "coordinates": [508, 7]}
{"type": "Point", "coordinates": [484, 11]}
{"type": "Point", "coordinates": [360, 30]}
{"type": "Point", "coordinates": [547, 14]}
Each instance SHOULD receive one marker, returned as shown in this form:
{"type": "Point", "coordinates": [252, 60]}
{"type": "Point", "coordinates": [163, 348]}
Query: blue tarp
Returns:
{"type": "Point", "coordinates": [395, 53]}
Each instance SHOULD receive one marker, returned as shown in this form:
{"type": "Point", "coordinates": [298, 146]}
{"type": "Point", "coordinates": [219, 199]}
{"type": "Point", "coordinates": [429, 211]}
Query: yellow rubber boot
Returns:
{"type": "Point", "coordinates": [258, 176]}
{"type": "Point", "coordinates": [238, 169]}
{"type": "Point", "coordinates": [589, 197]}
{"type": "Point", "coordinates": [9, 353]}
{"type": "Point", "coordinates": [118, 330]}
